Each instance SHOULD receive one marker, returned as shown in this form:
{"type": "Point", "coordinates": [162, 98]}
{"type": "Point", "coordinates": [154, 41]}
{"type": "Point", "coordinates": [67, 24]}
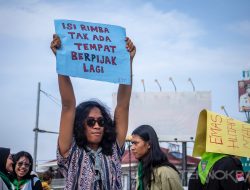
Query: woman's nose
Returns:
{"type": "Point", "coordinates": [96, 125]}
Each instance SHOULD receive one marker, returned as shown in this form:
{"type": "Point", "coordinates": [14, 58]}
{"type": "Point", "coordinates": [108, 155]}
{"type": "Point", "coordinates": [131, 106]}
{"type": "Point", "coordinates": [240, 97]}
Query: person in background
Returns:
{"type": "Point", "coordinates": [90, 143]}
{"type": "Point", "coordinates": [5, 168]}
{"type": "Point", "coordinates": [154, 170]}
{"type": "Point", "coordinates": [46, 180]}
{"type": "Point", "coordinates": [218, 172]}
{"type": "Point", "coordinates": [21, 177]}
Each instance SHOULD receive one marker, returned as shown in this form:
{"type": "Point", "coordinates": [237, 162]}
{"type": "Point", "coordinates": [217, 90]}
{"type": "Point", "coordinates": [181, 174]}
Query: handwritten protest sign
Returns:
{"type": "Point", "coordinates": [93, 51]}
{"type": "Point", "coordinates": [221, 134]}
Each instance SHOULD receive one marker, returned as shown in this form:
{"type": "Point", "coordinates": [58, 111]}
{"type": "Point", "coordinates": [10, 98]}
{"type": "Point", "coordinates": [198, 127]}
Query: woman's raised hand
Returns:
{"type": "Point", "coordinates": [55, 44]}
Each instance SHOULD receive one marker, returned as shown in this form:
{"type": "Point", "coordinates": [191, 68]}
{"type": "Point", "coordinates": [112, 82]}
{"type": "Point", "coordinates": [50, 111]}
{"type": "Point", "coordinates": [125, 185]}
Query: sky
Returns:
{"type": "Point", "coordinates": [207, 41]}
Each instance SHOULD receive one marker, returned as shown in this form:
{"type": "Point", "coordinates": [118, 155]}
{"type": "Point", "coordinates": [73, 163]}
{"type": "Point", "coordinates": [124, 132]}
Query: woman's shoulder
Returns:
{"type": "Point", "coordinates": [166, 171]}
{"type": "Point", "coordinates": [36, 183]}
{"type": "Point", "coordinates": [35, 178]}
{"type": "Point", "coordinates": [168, 178]}
{"type": "Point", "coordinates": [3, 185]}
{"type": "Point", "coordinates": [117, 150]}
{"type": "Point", "coordinates": [228, 163]}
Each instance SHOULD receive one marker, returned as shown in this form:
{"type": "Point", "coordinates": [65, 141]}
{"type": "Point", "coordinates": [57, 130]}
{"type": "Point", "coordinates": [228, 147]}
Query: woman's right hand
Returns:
{"type": "Point", "coordinates": [55, 44]}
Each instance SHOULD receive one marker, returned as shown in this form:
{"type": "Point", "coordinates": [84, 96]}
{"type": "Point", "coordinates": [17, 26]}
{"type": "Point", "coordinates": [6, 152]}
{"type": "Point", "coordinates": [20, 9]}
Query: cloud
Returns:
{"type": "Point", "coordinates": [241, 28]}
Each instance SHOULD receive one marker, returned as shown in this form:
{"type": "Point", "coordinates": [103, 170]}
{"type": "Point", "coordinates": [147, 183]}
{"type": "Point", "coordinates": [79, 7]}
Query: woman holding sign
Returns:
{"type": "Point", "coordinates": [90, 143]}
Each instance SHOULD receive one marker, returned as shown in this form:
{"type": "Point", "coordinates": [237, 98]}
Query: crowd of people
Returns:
{"type": "Point", "coordinates": [91, 144]}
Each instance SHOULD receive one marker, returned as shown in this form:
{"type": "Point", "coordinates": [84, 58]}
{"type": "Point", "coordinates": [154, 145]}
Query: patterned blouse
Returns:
{"type": "Point", "coordinates": [91, 170]}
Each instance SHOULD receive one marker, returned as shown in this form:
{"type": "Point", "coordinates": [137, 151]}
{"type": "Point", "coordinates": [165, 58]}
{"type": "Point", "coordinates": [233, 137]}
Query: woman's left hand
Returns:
{"type": "Point", "coordinates": [130, 47]}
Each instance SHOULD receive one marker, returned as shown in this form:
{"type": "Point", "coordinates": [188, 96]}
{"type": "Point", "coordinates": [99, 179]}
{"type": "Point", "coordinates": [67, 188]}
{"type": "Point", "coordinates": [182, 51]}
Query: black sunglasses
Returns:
{"type": "Point", "coordinates": [92, 121]}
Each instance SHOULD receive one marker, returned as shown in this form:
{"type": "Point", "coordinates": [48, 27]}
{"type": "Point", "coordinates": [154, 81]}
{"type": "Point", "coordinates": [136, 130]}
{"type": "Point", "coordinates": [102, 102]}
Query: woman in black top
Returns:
{"type": "Point", "coordinates": [5, 167]}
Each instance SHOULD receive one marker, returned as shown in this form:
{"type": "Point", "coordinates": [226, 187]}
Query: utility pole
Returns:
{"type": "Point", "coordinates": [184, 163]}
{"type": "Point", "coordinates": [36, 129]}
{"type": "Point", "coordinates": [130, 177]}
{"type": "Point", "coordinates": [36, 126]}
{"type": "Point", "coordinates": [142, 81]}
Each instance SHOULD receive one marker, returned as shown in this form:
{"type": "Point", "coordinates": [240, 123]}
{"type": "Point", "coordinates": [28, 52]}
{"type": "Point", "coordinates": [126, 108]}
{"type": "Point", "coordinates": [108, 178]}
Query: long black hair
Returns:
{"type": "Point", "coordinates": [155, 157]}
{"type": "Point", "coordinates": [82, 112]}
{"type": "Point", "coordinates": [4, 153]}
{"type": "Point", "coordinates": [16, 157]}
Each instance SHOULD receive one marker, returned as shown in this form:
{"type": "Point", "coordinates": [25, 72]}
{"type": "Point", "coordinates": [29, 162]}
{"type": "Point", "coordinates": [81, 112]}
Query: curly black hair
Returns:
{"type": "Point", "coordinates": [82, 112]}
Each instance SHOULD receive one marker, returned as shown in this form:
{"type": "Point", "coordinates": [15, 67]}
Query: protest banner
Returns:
{"type": "Point", "coordinates": [220, 134]}
{"type": "Point", "coordinates": [93, 51]}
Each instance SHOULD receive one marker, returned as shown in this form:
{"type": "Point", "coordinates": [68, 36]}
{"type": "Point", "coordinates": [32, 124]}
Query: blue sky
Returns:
{"type": "Point", "coordinates": [208, 41]}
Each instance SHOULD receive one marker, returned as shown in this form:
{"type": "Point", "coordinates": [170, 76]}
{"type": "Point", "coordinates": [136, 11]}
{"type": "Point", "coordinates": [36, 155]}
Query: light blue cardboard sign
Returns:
{"type": "Point", "coordinates": [93, 51]}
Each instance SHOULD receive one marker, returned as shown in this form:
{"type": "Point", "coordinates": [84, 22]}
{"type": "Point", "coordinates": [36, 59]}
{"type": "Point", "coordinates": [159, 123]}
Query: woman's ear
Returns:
{"type": "Point", "coordinates": [148, 145]}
